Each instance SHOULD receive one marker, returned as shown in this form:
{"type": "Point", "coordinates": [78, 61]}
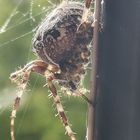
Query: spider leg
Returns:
{"type": "Point", "coordinates": [86, 98]}
{"type": "Point", "coordinates": [82, 26]}
{"type": "Point", "coordinates": [78, 92]}
{"type": "Point", "coordinates": [49, 77]}
{"type": "Point", "coordinates": [86, 11]}
{"type": "Point", "coordinates": [21, 77]}
{"type": "Point", "coordinates": [22, 86]}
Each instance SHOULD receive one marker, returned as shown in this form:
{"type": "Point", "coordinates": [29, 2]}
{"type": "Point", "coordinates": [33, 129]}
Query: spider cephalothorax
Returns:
{"type": "Point", "coordinates": [62, 43]}
{"type": "Point", "coordinates": [59, 41]}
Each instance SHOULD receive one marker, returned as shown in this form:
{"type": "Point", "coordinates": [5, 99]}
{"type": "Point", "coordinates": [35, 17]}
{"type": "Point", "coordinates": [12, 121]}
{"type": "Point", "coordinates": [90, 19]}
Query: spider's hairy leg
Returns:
{"type": "Point", "coordinates": [38, 66]}
{"type": "Point", "coordinates": [21, 77]}
{"type": "Point", "coordinates": [86, 11]}
{"type": "Point", "coordinates": [21, 86]}
{"type": "Point", "coordinates": [85, 97]}
{"type": "Point", "coordinates": [49, 77]}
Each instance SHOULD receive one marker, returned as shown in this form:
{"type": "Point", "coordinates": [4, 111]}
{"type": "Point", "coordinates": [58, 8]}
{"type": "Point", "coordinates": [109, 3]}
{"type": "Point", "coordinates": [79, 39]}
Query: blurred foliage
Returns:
{"type": "Point", "coordinates": [36, 116]}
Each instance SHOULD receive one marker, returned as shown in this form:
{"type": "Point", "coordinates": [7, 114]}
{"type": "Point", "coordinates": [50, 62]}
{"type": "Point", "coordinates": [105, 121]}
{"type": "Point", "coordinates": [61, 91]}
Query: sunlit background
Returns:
{"type": "Point", "coordinates": [36, 116]}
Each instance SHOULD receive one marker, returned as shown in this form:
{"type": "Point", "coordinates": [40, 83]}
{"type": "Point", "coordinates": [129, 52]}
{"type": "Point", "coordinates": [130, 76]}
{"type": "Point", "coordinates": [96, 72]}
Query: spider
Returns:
{"type": "Point", "coordinates": [61, 43]}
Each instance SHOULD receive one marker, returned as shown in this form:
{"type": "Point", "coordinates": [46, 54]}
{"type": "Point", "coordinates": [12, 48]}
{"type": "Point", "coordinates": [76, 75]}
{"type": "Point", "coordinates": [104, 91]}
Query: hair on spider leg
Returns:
{"type": "Point", "coordinates": [56, 115]}
{"type": "Point", "coordinates": [78, 93]}
{"type": "Point", "coordinates": [50, 95]}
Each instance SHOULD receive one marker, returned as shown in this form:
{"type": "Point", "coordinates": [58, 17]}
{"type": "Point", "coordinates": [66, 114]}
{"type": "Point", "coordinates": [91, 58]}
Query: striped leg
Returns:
{"type": "Point", "coordinates": [85, 98]}
{"type": "Point", "coordinates": [21, 77]}
{"type": "Point", "coordinates": [86, 11]}
{"type": "Point", "coordinates": [22, 86]}
{"type": "Point", "coordinates": [59, 107]}
{"type": "Point", "coordinates": [84, 18]}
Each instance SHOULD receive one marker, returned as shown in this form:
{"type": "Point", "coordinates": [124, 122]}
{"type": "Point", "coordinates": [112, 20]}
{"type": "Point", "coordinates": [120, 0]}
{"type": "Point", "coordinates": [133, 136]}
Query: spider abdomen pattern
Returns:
{"type": "Point", "coordinates": [59, 40]}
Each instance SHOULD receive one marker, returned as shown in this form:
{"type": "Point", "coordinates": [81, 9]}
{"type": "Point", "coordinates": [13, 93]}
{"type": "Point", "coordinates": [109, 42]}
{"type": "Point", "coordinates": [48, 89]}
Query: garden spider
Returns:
{"type": "Point", "coordinates": [61, 43]}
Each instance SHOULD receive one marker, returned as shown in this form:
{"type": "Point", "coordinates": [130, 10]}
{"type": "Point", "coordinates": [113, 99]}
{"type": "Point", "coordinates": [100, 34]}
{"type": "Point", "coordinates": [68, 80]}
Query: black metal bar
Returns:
{"type": "Point", "coordinates": [118, 107]}
{"type": "Point", "coordinates": [92, 97]}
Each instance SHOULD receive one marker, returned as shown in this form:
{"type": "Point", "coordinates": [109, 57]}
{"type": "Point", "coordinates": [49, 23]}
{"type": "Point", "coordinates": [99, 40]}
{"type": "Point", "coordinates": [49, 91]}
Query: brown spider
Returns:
{"type": "Point", "coordinates": [61, 43]}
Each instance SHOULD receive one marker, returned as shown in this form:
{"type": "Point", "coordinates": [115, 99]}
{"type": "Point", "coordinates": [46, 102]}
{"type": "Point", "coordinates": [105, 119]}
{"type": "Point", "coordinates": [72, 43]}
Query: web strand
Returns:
{"type": "Point", "coordinates": [6, 23]}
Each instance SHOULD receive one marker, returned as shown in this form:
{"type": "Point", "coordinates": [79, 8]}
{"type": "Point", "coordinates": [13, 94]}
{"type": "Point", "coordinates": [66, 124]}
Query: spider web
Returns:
{"type": "Point", "coordinates": [23, 18]}
{"type": "Point", "coordinates": [22, 14]}
{"type": "Point", "coordinates": [17, 25]}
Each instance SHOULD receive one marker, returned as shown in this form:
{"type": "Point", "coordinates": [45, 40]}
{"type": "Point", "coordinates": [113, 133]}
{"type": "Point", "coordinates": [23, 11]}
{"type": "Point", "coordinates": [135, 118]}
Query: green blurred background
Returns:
{"type": "Point", "coordinates": [36, 116]}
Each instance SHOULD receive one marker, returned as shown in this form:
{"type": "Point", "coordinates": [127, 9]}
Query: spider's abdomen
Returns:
{"type": "Point", "coordinates": [57, 40]}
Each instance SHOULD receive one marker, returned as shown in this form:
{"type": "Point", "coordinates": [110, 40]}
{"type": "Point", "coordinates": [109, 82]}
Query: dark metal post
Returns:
{"type": "Point", "coordinates": [118, 103]}
{"type": "Point", "coordinates": [93, 91]}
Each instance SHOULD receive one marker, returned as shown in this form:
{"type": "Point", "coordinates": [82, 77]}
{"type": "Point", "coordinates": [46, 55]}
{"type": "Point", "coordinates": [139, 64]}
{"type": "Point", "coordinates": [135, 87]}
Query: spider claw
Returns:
{"type": "Point", "coordinates": [73, 133]}
{"type": "Point", "coordinates": [66, 132]}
